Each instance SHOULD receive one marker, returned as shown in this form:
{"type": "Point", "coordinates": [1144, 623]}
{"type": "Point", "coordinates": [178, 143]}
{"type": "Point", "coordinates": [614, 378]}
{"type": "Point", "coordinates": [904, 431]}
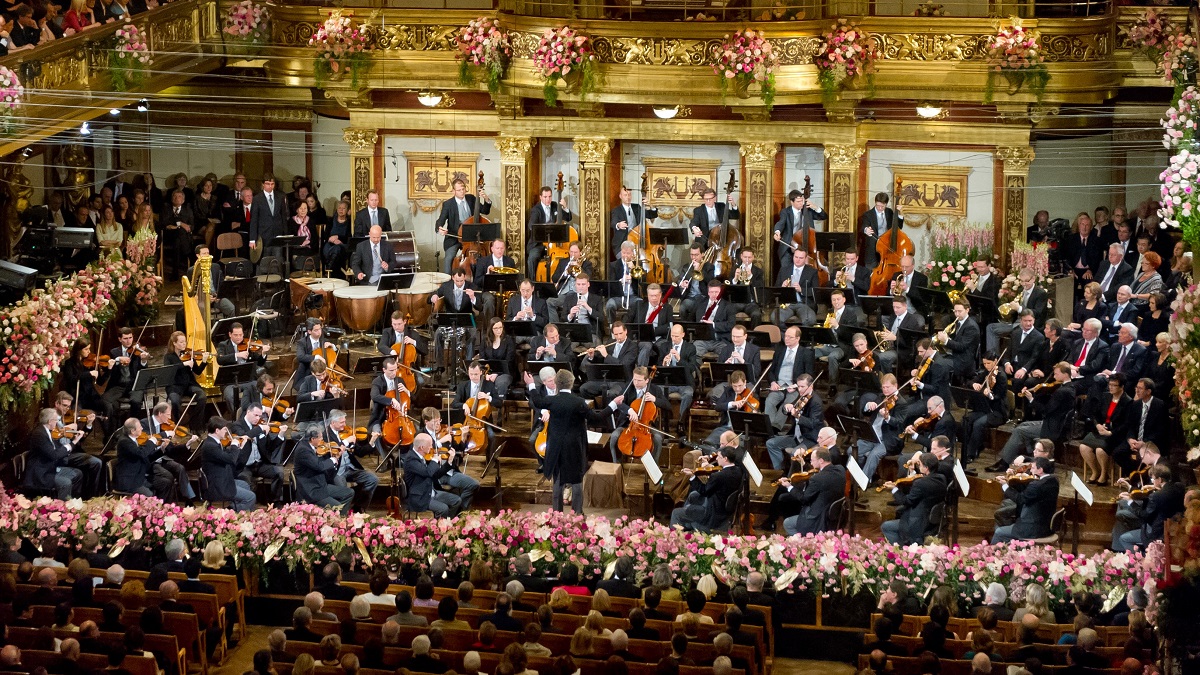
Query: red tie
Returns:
{"type": "Point", "coordinates": [1082, 356]}
{"type": "Point", "coordinates": [709, 311]}
{"type": "Point", "coordinates": [247, 214]}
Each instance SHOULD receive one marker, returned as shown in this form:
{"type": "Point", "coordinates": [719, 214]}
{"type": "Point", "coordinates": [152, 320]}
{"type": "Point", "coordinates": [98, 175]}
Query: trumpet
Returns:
{"type": "Point", "coordinates": [898, 289]}
{"type": "Point", "coordinates": [741, 276]}
{"type": "Point", "coordinates": [830, 320]}
{"type": "Point", "coordinates": [839, 279]}
{"type": "Point", "coordinates": [940, 340]}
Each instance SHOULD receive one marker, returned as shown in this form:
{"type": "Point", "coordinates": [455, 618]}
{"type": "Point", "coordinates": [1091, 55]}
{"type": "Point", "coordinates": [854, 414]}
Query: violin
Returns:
{"type": "Point", "coordinates": [1043, 386]}
{"type": "Point", "coordinates": [65, 433]}
{"type": "Point", "coordinates": [433, 453]}
{"type": "Point", "coordinates": [93, 362]}
{"type": "Point", "coordinates": [271, 405]}
{"type": "Point", "coordinates": [195, 355]}
{"type": "Point", "coordinates": [144, 437]}
{"type": "Point", "coordinates": [921, 373]}
{"type": "Point", "coordinates": [255, 346]}
{"type": "Point", "coordinates": [900, 482]}
{"type": "Point", "coordinates": [176, 430]}
{"type": "Point", "coordinates": [806, 238]}
{"type": "Point", "coordinates": [234, 440]}
{"type": "Point", "coordinates": [1143, 492]}
{"type": "Point", "coordinates": [139, 352]}
{"type": "Point", "coordinates": [926, 423]}
{"type": "Point", "coordinates": [636, 440]}
{"type": "Point", "coordinates": [797, 477]}
{"type": "Point", "coordinates": [74, 416]}
{"type": "Point", "coordinates": [866, 362]}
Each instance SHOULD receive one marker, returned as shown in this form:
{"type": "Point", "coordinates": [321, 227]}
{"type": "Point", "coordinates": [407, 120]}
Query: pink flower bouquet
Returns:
{"type": "Point", "coordinates": [561, 53]}
{"type": "Point", "coordinates": [1013, 53]}
{"type": "Point", "coordinates": [129, 57]}
{"type": "Point", "coordinates": [341, 48]}
{"type": "Point", "coordinates": [847, 53]}
{"type": "Point", "coordinates": [483, 45]}
{"type": "Point", "coordinates": [745, 58]}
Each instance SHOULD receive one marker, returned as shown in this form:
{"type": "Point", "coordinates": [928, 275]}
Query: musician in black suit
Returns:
{"type": "Point", "coordinates": [676, 351]}
{"type": "Point", "coordinates": [348, 468]}
{"type": "Point", "coordinates": [787, 365]}
{"type": "Point", "coordinates": [46, 467]}
{"type": "Point", "coordinates": [627, 216]}
{"type": "Point", "coordinates": [842, 313]}
{"type": "Point", "coordinates": [370, 216]}
{"type": "Point", "coordinates": [986, 283]}
{"type": "Point", "coordinates": [1055, 403]}
{"type": "Point", "coordinates": [621, 270]}
{"type": "Point", "coordinates": [710, 214]}
{"type": "Point", "coordinates": [692, 281]}
{"type": "Point", "coordinates": [1082, 251]}
{"type": "Point", "coordinates": [386, 382]}
{"type": "Point", "coordinates": [372, 257]}
{"type": "Point", "coordinates": [456, 295]}
{"type": "Point", "coordinates": [900, 343]}
{"type": "Point", "coordinates": [543, 212]}
{"type": "Point", "coordinates": [826, 486]}
{"type": "Point", "coordinates": [912, 507]}
{"type": "Point", "coordinates": [639, 387]}
{"type": "Point", "coordinates": [421, 477]}
{"type": "Point", "coordinates": [1114, 272]}
{"type": "Point", "coordinates": [654, 311]}
{"type": "Point", "coordinates": [454, 211]}
{"type": "Point", "coordinates": [566, 450]}
{"type": "Point", "coordinates": [123, 369]}
{"type": "Point", "coordinates": [583, 306]}
{"type": "Point", "coordinates": [1025, 348]}
{"type": "Point", "coordinates": [562, 276]}
{"type": "Point", "coordinates": [307, 345]}
{"type": "Point", "coordinates": [798, 216]}
{"type": "Point", "coordinates": [550, 346]}
{"type": "Point", "coordinates": [944, 425]}
{"type": "Point", "coordinates": [484, 266]}
{"type": "Point", "coordinates": [798, 274]}
{"type": "Point", "coordinates": [1033, 297]}
{"type": "Point", "coordinates": [164, 468]}
{"type": "Point", "coordinates": [263, 456]}
{"type": "Point", "coordinates": [856, 277]}
{"type": "Point", "coordinates": [623, 351]}
{"type": "Point", "coordinates": [1037, 504]}
{"type": "Point", "coordinates": [706, 506]}
{"type": "Point", "coordinates": [748, 274]}
{"type": "Point", "coordinates": [910, 278]}
{"type": "Point", "coordinates": [235, 351]}
{"type": "Point", "coordinates": [528, 306]}
{"type": "Point", "coordinates": [874, 222]}
{"type": "Point", "coordinates": [131, 470]}
{"type": "Point", "coordinates": [268, 213]}
{"type": "Point", "coordinates": [961, 339]}
{"type": "Point", "coordinates": [808, 415]}
{"type": "Point", "coordinates": [886, 425]}
{"type": "Point", "coordinates": [480, 387]}
{"type": "Point", "coordinates": [220, 466]}
{"type": "Point", "coordinates": [316, 474]}
{"type": "Point", "coordinates": [733, 396]}
{"type": "Point", "coordinates": [988, 406]}
{"type": "Point", "coordinates": [1152, 513]}
{"type": "Point", "coordinates": [716, 312]}
{"type": "Point", "coordinates": [397, 332]}
{"type": "Point", "coordinates": [738, 350]}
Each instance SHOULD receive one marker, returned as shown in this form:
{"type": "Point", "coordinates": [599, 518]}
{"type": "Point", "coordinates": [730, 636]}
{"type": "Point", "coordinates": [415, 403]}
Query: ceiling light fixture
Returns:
{"type": "Point", "coordinates": [929, 111]}
{"type": "Point", "coordinates": [429, 99]}
{"type": "Point", "coordinates": [114, 112]}
{"type": "Point", "coordinates": [143, 105]}
{"type": "Point", "coordinates": [85, 130]}
{"type": "Point", "coordinates": [666, 112]}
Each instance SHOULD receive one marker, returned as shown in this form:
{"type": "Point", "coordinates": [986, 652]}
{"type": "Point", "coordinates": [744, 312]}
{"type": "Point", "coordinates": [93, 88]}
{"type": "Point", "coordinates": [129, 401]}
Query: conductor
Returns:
{"type": "Point", "coordinates": [566, 446]}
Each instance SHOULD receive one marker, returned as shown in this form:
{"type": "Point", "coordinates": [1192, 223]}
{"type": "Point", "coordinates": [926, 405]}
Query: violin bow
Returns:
{"type": "Point", "coordinates": [279, 394]}
{"type": "Point", "coordinates": [183, 414]}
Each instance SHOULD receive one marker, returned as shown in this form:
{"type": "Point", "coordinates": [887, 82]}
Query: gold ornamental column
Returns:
{"type": "Point", "coordinates": [1015, 180]}
{"type": "Point", "coordinates": [594, 155]}
{"type": "Point", "coordinates": [362, 164]}
{"type": "Point", "coordinates": [842, 170]}
{"type": "Point", "coordinates": [756, 185]}
{"type": "Point", "coordinates": [514, 188]}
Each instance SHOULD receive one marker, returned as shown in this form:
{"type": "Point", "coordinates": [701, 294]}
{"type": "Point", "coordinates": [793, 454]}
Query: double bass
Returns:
{"type": "Point", "coordinates": [470, 251]}
{"type": "Point", "coordinates": [560, 251]}
{"type": "Point", "coordinates": [648, 261]}
{"type": "Point", "coordinates": [806, 238]}
{"type": "Point", "coordinates": [891, 247]}
{"type": "Point", "coordinates": [725, 239]}
{"type": "Point", "coordinates": [637, 439]}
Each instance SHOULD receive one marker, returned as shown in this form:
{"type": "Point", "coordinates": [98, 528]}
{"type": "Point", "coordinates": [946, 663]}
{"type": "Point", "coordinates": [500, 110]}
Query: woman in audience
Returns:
{"type": "Point", "coordinates": [207, 205]}
{"type": "Point", "coordinates": [1036, 603]}
{"type": "Point", "coordinates": [133, 594]}
{"type": "Point", "coordinates": [299, 226]}
{"type": "Point", "coordinates": [349, 663]}
{"type": "Point", "coordinates": [602, 603]}
{"type": "Point", "coordinates": [447, 616]}
{"type": "Point", "coordinates": [481, 576]}
{"type": "Point", "coordinates": [263, 665]}
{"type": "Point", "coordinates": [423, 591]}
{"type": "Point", "coordinates": [216, 561]}
{"type": "Point", "coordinates": [695, 605]}
{"type": "Point", "coordinates": [1148, 280]}
{"type": "Point", "coordinates": [151, 621]}
{"type": "Point", "coordinates": [982, 643]}
{"type": "Point", "coordinates": [79, 16]}
{"type": "Point", "coordinates": [581, 643]}
{"type": "Point", "coordinates": [329, 647]}
{"type": "Point", "coordinates": [568, 578]}
{"type": "Point", "coordinates": [305, 665]}
{"type": "Point", "coordinates": [486, 638]}
{"type": "Point", "coordinates": [1091, 306]}
{"type": "Point", "coordinates": [515, 656]}
{"type": "Point", "coordinates": [987, 624]}
{"type": "Point", "coordinates": [944, 596]}
{"type": "Point", "coordinates": [1103, 416]}
{"type": "Point", "coordinates": [335, 251]}
{"type": "Point", "coordinates": [109, 232]}
{"type": "Point", "coordinates": [111, 612]}
{"type": "Point", "coordinates": [379, 584]}
{"type": "Point", "coordinates": [1180, 275]}
{"type": "Point", "coordinates": [595, 624]}
{"type": "Point", "coordinates": [143, 218]}
{"type": "Point", "coordinates": [48, 18]}
{"type": "Point", "coordinates": [560, 601]}
{"type": "Point", "coordinates": [124, 213]}
{"type": "Point", "coordinates": [1081, 621]}
{"type": "Point", "coordinates": [1156, 319]}
{"type": "Point", "coordinates": [662, 580]}
{"type": "Point", "coordinates": [466, 593]}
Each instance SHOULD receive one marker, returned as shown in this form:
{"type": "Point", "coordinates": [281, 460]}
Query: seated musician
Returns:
{"type": "Point", "coordinates": [483, 266]}
{"type": "Point", "coordinates": [693, 281]}
{"type": "Point", "coordinates": [307, 346]}
{"type": "Point", "coordinates": [236, 351]}
{"type": "Point", "coordinates": [898, 343]}
{"type": "Point", "coordinates": [81, 378]}
{"type": "Point", "coordinates": [906, 281]}
{"type": "Point", "coordinates": [423, 468]}
{"type": "Point", "coordinates": [1147, 511]}
{"type": "Point", "coordinates": [862, 359]}
{"type": "Point", "coordinates": [185, 384]}
{"type": "Point", "coordinates": [384, 384]}
{"type": "Point", "coordinates": [372, 258]}
{"type": "Point", "coordinates": [930, 377]}
{"type": "Point", "coordinates": [153, 425]}
{"type": "Point", "coordinates": [813, 497]}
{"type": "Point", "coordinates": [398, 333]}
{"type": "Point", "coordinates": [798, 274]}
{"type": "Point", "coordinates": [626, 413]}
{"type": "Point", "coordinates": [481, 388]}
{"type": "Point", "coordinates": [1055, 403]}
{"type": "Point", "coordinates": [544, 211]}
{"type": "Point", "coordinates": [564, 275]}
{"type": "Point", "coordinates": [581, 306]}
{"type": "Point", "coordinates": [875, 408]}
{"type": "Point", "coordinates": [842, 314]}
{"type": "Point", "coordinates": [738, 350]}
{"type": "Point", "coordinates": [1032, 297]}
{"type": "Point", "coordinates": [1107, 420]}
{"type": "Point", "coordinates": [961, 340]}
{"type": "Point", "coordinates": [456, 297]}
{"type": "Point", "coordinates": [220, 463]}
{"type": "Point", "coordinates": [706, 504]}
{"type": "Point", "coordinates": [675, 352]}
{"type": "Point", "coordinates": [264, 451]}
{"type": "Point", "coordinates": [621, 270]}
{"type": "Point", "coordinates": [734, 396]}
{"type": "Point", "coordinates": [989, 407]}
{"type": "Point", "coordinates": [937, 421]}
{"type": "Point", "coordinates": [320, 385]}
{"type": "Point", "coordinates": [622, 351]}
{"type": "Point", "coordinates": [549, 347]}
{"type": "Point", "coordinates": [133, 470]}
{"type": "Point", "coordinates": [316, 473]}
{"type": "Point", "coordinates": [527, 306]}
{"type": "Point", "coordinates": [911, 524]}
{"type": "Point", "coordinates": [787, 365]}
{"type": "Point", "coordinates": [541, 416]}
{"type": "Point", "coordinates": [46, 466]}
{"type": "Point", "coordinates": [453, 480]}
{"type": "Point", "coordinates": [1037, 502]}
{"type": "Point", "coordinates": [265, 391]}
{"type": "Point", "coordinates": [79, 428]}
{"type": "Point", "coordinates": [655, 312]}
{"type": "Point", "coordinates": [808, 414]}
{"type": "Point", "coordinates": [496, 345]}
{"type": "Point", "coordinates": [1148, 426]}
{"type": "Point", "coordinates": [853, 278]}
{"type": "Point", "coordinates": [1006, 513]}
{"type": "Point", "coordinates": [716, 312]}
{"type": "Point", "coordinates": [748, 274]}
{"type": "Point", "coordinates": [1025, 349]}
{"type": "Point", "coordinates": [126, 359]}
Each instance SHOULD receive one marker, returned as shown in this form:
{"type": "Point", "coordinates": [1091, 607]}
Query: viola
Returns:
{"type": "Point", "coordinates": [271, 405]}
{"type": "Point", "coordinates": [234, 440]}
{"type": "Point", "coordinates": [890, 248]}
{"type": "Point", "coordinates": [64, 433]}
{"type": "Point", "coordinates": [144, 437]}
{"type": "Point", "coordinates": [900, 482]}
{"type": "Point", "coordinates": [636, 440]}
{"type": "Point", "coordinates": [93, 362]}
{"type": "Point", "coordinates": [255, 346]}
{"type": "Point", "coordinates": [176, 430]}
{"type": "Point", "coordinates": [1044, 386]}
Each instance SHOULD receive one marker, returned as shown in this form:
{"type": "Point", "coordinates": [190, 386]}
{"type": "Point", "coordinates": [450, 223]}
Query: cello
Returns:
{"type": "Point", "coordinates": [637, 439]}
{"type": "Point", "coordinates": [652, 269]}
{"type": "Point", "coordinates": [471, 432]}
{"type": "Point", "coordinates": [806, 238]}
{"type": "Point", "coordinates": [560, 251]}
{"type": "Point", "coordinates": [470, 251]}
{"type": "Point", "coordinates": [726, 238]}
{"type": "Point", "coordinates": [891, 247]}
{"type": "Point", "coordinates": [393, 422]}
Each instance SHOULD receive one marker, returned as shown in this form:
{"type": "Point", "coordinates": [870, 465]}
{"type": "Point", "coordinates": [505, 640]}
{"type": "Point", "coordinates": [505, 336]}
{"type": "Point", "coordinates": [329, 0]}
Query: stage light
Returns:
{"type": "Point", "coordinates": [143, 105]}
{"type": "Point", "coordinates": [929, 111]}
{"type": "Point", "coordinates": [85, 129]}
{"type": "Point", "coordinates": [114, 112]}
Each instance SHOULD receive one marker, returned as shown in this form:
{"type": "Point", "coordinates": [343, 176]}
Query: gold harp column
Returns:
{"type": "Point", "coordinates": [594, 155]}
{"type": "Point", "coordinates": [759, 157]}
{"type": "Point", "coordinates": [514, 179]}
{"type": "Point", "coordinates": [842, 165]}
{"type": "Point", "coordinates": [1015, 181]}
{"type": "Point", "coordinates": [362, 164]}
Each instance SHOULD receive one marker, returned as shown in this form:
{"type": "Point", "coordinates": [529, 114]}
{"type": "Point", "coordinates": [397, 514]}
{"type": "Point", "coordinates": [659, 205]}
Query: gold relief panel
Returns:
{"type": "Point", "coordinates": [514, 209]}
{"type": "Point", "coordinates": [931, 190]}
{"type": "Point", "coordinates": [362, 181]}
{"type": "Point", "coordinates": [593, 150]}
{"type": "Point", "coordinates": [431, 175]}
{"type": "Point", "coordinates": [177, 31]}
{"type": "Point", "coordinates": [841, 202]}
{"type": "Point", "coordinates": [679, 182]}
{"type": "Point", "coordinates": [65, 71]}
{"type": "Point", "coordinates": [294, 33]}
{"type": "Point", "coordinates": [1016, 159]}
{"type": "Point", "coordinates": [757, 205]}
{"type": "Point", "coordinates": [418, 38]}
{"type": "Point", "coordinates": [958, 47]}
{"type": "Point", "coordinates": [360, 140]}
{"type": "Point", "coordinates": [1076, 47]}
{"type": "Point", "coordinates": [593, 202]}
{"type": "Point", "coordinates": [515, 149]}
{"type": "Point", "coordinates": [761, 154]}
{"type": "Point", "coordinates": [1014, 207]}
{"type": "Point", "coordinates": [843, 156]}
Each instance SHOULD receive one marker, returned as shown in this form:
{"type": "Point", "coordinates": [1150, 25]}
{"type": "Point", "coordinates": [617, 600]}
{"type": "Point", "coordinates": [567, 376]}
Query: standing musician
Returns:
{"type": "Point", "coordinates": [1025, 347]}
{"type": "Point", "coordinates": [986, 282]}
{"type": "Point", "coordinates": [542, 212]}
{"type": "Point", "coordinates": [316, 474]}
{"type": "Point", "coordinates": [716, 313]}
{"type": "Point", "coordinates": [480, 388]}
{"type": "Point", "coordinates": [582, 306]}
{"type": "Point", "coordinates": [454, 211]}
{"type": "Point", "coordinates": [655, 312]}
{"type": "Point", "coordinates": [898, 342]}
{"type": "Point", "coordinates": [132, 470]}
{"type": "Point", "coordinates": [961, 339]}
{"type": "Point", "coordinates": [989, 406]}
{"type": "Point", "coordinates": [911, 524]}
{"type": "Point", "coordinates": [787, 366]}
{"type": "Point", "coordinates": [706, 505]}
{"type": "Point", "coordinates": [798, 215]}
{"type": "Point", "coordinates": [625, 415]}
{"type": "Point", "coordinates": [349, 469]}
{"type": "Point", "coordinates": [308, 344]}
{"type": "Point", "coordinates": [126, 360]}
{"type": "Point", "coordinates": [675, 351]}
{"type": "Point", "coordinates": [842, 313]}
{"type": "Point", "coordinates": [372, 257]}
{"type": "Point", "coordinates": [798, 274]}
{"type": "Point", "coordinates": [1055, 402]}
{"type": "Point", "coordinates": [263, 456]}
{"type": "Point", "coordinates": [185, 384]}
{"type": "Point", "coordinates": [1037, 503]}
{"type": "Point", "coordinates": [853, 277]}
{"type": "Point", "coordinates": [320, 385]}
{"type": "Point", "coordinates": [566, 450]}
{"type": "Point", "coordinates": [930, 377]}
{"type": "Point", "coordinates": [693, 280]}
{"type": "Point", "coordinates": [808, 413]}
{"type": "Point", "coordinates": [710, 214]}
{"type": "Point", "coordinates": [623, 351]}
{"type": "Point", "coordinates": [811, 500]}
{"type": "Point", "coordinates": [220, 462]}
{"type": "Point", "coordinates": [1033, 297]}
{"type": "Point", "coordinates": [397, 333]}
{"type": "Point", "coordinates": [236, 351]}
{"type": "Point", "coordinates": [878, 408]}
{"type": "Point", "coordinates": [47, 467]}
{"type": "Point", "coordinates": [748, 274]}
{"type": "Point", "coordinates": [527, 306]}
{"type": "Point", "coordinates": [483, 267]}
{"type": "Point", "coordinates": [626, 216]}
{"type": "Point", "coordinates": [164, 465]}
{"type": "Point", "coordinates": [550, 346]}
{"type": "Point", "coordinates": [874, 222]}
{"type": "Point", "coordinates": [738, 350]}
{"type": "Point", "coordinates": [621, 270]}
{"type": "Point", "coordinates": [422, 468]}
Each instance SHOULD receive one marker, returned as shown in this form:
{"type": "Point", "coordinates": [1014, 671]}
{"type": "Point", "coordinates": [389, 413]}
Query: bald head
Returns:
{"type": "Point", "coordinates": [169, 590]}
{"type": "Point", "coordinates": [981, 664]}
{"type": "Point", "coordinates": [47, 576]}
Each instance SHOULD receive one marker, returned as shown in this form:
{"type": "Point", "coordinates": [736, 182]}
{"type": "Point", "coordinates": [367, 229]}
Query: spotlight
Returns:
{"type": "Point", "coordinates": [429, 99]}
{"type": "Point", "coordinates": [27, 152]}
{"type": "Point", "coordinates": [666, 113]}
{"type": "Point", "coordinates": [85, 129]}
{"type": "Point", "coordinates": [114, 112]}
{"type": "Point", "coordinates": [929, 111]}
{"type": "Point", "coordinates": [143, 105]}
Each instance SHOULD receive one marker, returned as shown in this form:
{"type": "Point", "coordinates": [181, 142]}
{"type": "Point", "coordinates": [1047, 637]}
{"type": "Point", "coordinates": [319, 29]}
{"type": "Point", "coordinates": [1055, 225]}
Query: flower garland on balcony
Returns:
{"type": "Point", "coordinates": [247, 26]}
{"type": "Point", "coordinates": [744, 58]}
{"type": "Point", "coordinates": [341, 48]}
{"type": "Point", "coordinates": [1179, 124]}
{"type": "Point", "coordinates": [483, 45]}
{"type": "Point", "coordinates": [1013, 53]}
{"type": "Point", "coordinates": [1178, 63]}
{"type": "Point", "coordinates": [846, 54]}
{"type": "Point", "coordinates": [129, 58]}
{"type": "Point", "coordinates": [1185, 346]}
{"type": "Point", "coordinates": [1149, 34]}
{"type": "Point", "coordinates": [566, 54]}
{"type": "Point", "coordinates": [11, 96]}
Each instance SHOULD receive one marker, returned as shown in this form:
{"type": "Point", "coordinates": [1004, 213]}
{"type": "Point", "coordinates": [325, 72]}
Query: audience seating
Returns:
{"type": "Point", "coordinates": [28, 638]}
{"type": "Point", "coordinates": [136, 665]}
{"type": "Point", "coordinates": [910, 665]}
{"type": "Point", "coordinates": [185, 627]}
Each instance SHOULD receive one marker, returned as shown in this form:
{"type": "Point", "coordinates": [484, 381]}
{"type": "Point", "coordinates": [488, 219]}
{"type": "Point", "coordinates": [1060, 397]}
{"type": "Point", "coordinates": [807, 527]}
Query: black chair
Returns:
{"type": "Point", "coordinates": [834, 515]}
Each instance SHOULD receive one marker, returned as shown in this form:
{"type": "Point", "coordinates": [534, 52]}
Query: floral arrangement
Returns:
{"type": "Point", "coordinates": [960, 239]}
{"type": "Point", "coordinates": [1014, 54]}
{"type": "Point", "coordinates": [1178, 58]}
{"type": "Point", "coordinates": [949, 275]}
{"type": "Point", "coordinates": [1149, 34]}
{"type": "Point", "coordinates": [129, 58]}
{"type": "Point", "coordinates": [746, 57]}
{"type": "Point", "coordinates": [1179, 125]}
{"type": "Point", "coordinates": [929, 9]}
{"type": "Point", "coordinates": [565, 54]}
{"type": "Point", "coordinates": [11, 95]}
{"type": "Point", "coordinates": [483, 45]}
{"type": "Point", "coordinates": [140, 250]}
{"type": "Point", "coordinates": [846, 54]}
{"type": "Point", "coordinates": [1036, 259]}
{"type": "Point", "coordinates": [1180, 203]}
{"type": "Point", "coordinates": [1185, 346]}
{"type": "Point", "coordinates": [341, 48]}
{"type": "Point", "coordinates": [247, 24]}
{"type": "Point", "coordinates": [303, 535]}
{"type": "Point", "coordinates": [1180, 584]}
{"type": "Point", "coordinates": [1033, 257]}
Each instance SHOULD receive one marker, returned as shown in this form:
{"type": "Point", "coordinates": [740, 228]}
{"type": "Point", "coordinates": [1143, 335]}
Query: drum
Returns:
{"type": "Point", "coordinates": [404, 251]}
{"type": "Point", "coordinates": [414, 300]}
{"type": "Point", "coordinates": [360, 307]}
{"type": "Point", "coordinates": [301, 289]}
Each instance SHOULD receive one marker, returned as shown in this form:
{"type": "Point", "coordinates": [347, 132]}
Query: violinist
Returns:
{"type": "Point", "coordinates": [77, 457]}
{"type": "Point", "coordinates": [1107, 420]}
{"type": "Point", "coordinates": [454, 480]}
{"type": "Point", "coordinates": [911, 524]}
{"type": "Point", "coordinates": [1147, 517]}
{"type": "Point", "coordinates": [1036, 504]}
{"type": "Point", "coordinates": [621, 270]}
{"type": "Point", "coordinates": [1017, 475]}
{"type": "Point", "coordinates": [316, 474]}
{"type": "Point", "coordinates": [989, 406]}
{"type": "Point", "coordinates": [626, 216]}
{"type": "Point", "coordinates": [931, 377]}
{"type": "Point", "coordinates": [481, 388]}
{"type": "Point", "coordinates": [236, 351]}
{"type": "Point", "coordinates": [185, 385]}
{"type": "Point", "coordinates": [693, 280]}
{"type": "Point", "coordinates": [320, 385]}
{"type": "Point", "coordinates": [787, 367]}
{"type": "Point", "coordinates": [808, 413]}
{"type": "Point", "coordinates": [622, 351]}
{"type": "Point", "coordinates": [81, 371]}
{"type": "Point", "coordinates": [878, 408]}
{"type": "Point", "coordinates": [814, 497]}
{"type": "Point", "coordinates": [126, 360]}
{"type": "Point", "coordinates": [798, 274]}
{"type": "Point", "coordinates": [937, 421]}
{"type": "Point", "coordinates": [264, 389]}
{"type": "Point", "coordinates": [842, 313]}
{"type": "Point", "coordinates": [454, 211]}
{"type": "Point", "coordinates": [734, 396]}
{"type": "Point", "coordinates": [349, 469]}
{"type": "Point", "coordinates": [421, 479]}
{"type": "Point", "coordinates": [220, 463]}
{"type": "Point", "coordinates": [164, 467]}
{"type": "Point", "coordinates": [307, 345]}
{"type": "Point", "coordinates": [133, 470]}
{"type": "Point", "coordinates": [527, 306]}
{"type": "Point", "coordinates": [748, 274]}
{"type": "Point", "coordinates": [544, 211]}
{"type": "Point", "coordinates": [626, 414]}
{"type": "Point", "coordinates": [706, 506]}
{"type": "Point", "coordinates": [262, 457]}
{"type": "Point", "coordinates": [1055, 403]}
{"type": "Point", "coordinates": [893, 333]}
{"type": "Point", "coordinates": [738, 350]}
{"type": "Point", "coordinates": [710, 214]}
{"type": "Point", "coordinates": [46, 467]}
{"type": "Point", "coordinates": [874, 222]}
{"type": "Point", "coordinates": [860, 353]}
{"type": "Point", "coordinates": [798, 215]}
{"type": "Point", "coordinates": [716, 312]}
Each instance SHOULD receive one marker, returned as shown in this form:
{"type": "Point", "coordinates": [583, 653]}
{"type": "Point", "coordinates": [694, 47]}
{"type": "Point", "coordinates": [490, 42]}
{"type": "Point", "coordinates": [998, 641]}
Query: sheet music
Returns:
{"type": "Point", "coordinates": [961, 476]}
{"type": "Point", "coordinates": [652, 470]}
{"type": "Point", "coordinates": [752, 469]}
{"type": "Point", "coordinates": [594, 437]}
{"type": "Point", "coordinates": [856, 472]}
{"type": "Point", "coordinates": [1081, 488]}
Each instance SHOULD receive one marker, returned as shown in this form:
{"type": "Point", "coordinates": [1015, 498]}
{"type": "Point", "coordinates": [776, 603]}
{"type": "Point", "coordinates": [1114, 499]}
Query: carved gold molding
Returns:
{"type": "Point", "coordinates": [514, 148]}
{"type": "Point", "coordinates": [759, 153]}
{"type": "Point", "coordinates": [360, 140]}
{"type": "Point", "coordinates": [593, 150]}
{"type": "Point", "coordinates": [290, 115]}
{"type": "Point", "coordinates": [843, 156]}
{"type": "Point", "coordinates": [1016, 160]}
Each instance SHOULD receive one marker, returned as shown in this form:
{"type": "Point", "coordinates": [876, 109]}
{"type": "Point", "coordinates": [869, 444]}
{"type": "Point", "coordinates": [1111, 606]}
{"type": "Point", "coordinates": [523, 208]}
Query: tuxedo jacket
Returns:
{"type": "Point", "coordinates": [1076, 251]}
{"type": "Point", "coordinates": [751, 354]}
{"type": "Point", "coordinates": [560, 271]}
{"type": "Point", "coordinates": [722, 317]}
{"type": "Point", "coordinates": [1123, 277]}
{"type": "Point", "coordinates": [616, 270]}
{"type": "Point", "coordinates": [267, 223]}
{"type": "Point", "coordinates": [627, 358]}
{"type": "Point", "coordinates": [541, 313]}
{"type": "Point", "coordinates": [860, 284]}
{"type": "Point", "coordinates": [688, 359]}
{"type": "Point", "coordinates": [808, 282]}
{"type": "Point", "coordinates": [446, 293]}
{"type": "Point", "coordinates": [1025, 353]}
{"type": "Point", "coordinates": [618, 215]}
{"type": "Point", "coordinates": [700, 218]}
{"type": "Point", "coordinates": [595, 304]}
{"type": "Point", "coordinates": [639, 312]}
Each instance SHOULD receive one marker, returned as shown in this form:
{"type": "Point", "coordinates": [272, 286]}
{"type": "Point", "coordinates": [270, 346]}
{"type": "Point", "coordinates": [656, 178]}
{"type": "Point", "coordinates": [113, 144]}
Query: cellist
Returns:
{"type": "Point", "coordinates": [397, 333]}
{"type": "Point", "coordinates": [454, 211]}
{"type": "Point", "coordinates": [480, 387]}
{"type": "Point", "coordinates": [799, 214]}
{"type": "Point", "coordinates": [381, 386]}
{"type": "Point", "coordinates": [626, 216]}
{"type": "Point", "coordinates": [626, 414]}
{"type": "Point", "coordinates": [543, 212]}
{"type": "Point", "coordinates": [453, 480]}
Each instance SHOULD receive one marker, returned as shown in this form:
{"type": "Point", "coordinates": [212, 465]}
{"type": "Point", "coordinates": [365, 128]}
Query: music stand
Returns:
{"type": "Point", "coordinates": [156, 378]}
{"type": "Point", "coordinates": [962, 396]}
{"type": "Point", "coordinates": [847, 331]}
{"type": "Point", "coordinates": [863, 380]}
{"type": "Point", "coordinates": [534, 367]}
{"type": "Point", "coordinates": [479, 232]}
{"type": "Point", "coordinates": [525, 329]}
{"type": "Point", "coordinates": [984, 308]}
{"type": "Point", "coordinates": [912, 337]}
{"type": "Point", "coordinates": [933, 300]}
{"type": "Point", "coordinates": [875, 305]}
{"type": "Point", "coordinates": [220, 329]}
{"type": "Point", "coordinates": [497, 367]}
{"type": "Point", "coordinates": [286, 241]}
{"type": "Point", "coordinates": [235, 375]}
{"type": "Point", "coordinates": [670, 236]}
{"type": "Point", "coordinates": [576, 333]}
{"type": "Point", "coordinates": [317, 410]}
{"type": "Point", "coordinates": [697, 330]}
{"type": "Point", "coordinates": [752, 425]}
{"type": "Point", "coordinates": [721, 371]}
{"type": "Point", "coordinates": [774, 296]}
{"type": "Point", "coordinates": [368, 364]}
{"type": "Point", "coordinates": [640, 332]}
{"type": "Point", "coordinates": [670, 376]}
{"type": "Point", "coordinates": [501, 283]}
{"type": "Point", "coordinates": [761, 339]}
{"type": "Point", "coordinates": [608, 373]}
{"type": "Point", "coordinates": [545, 290]}
{"type": "Point", "coordinates": [859, 429]}
{"type": "Point", "coordinates": [741, 294]}
{"type": "Point", "coordinates": [395, 281]}
{"type": "Point", "coordinates": [551, 233]}
{"type": "Point", "coordinates": [817, 335]}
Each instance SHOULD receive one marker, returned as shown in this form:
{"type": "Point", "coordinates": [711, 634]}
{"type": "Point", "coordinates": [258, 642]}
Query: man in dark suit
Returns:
{"type": "Point", "coordinates": [566, 451]}
{"type": "Point", "coordinates": [1151, 513]}
{"type": "Point", "coordinates": [738, 350]}
{"type": "Point", "coordinates": [620, 584]}
{"type": "Point", "coordinates": [1037, 503]}
{"type": "Point", "coordinates": [46, 467]}
{"type": "Point", "coordinates": [528, 306]}
{"type": "Point", "coordinates": [961, 339]}
{"type": "Point", "coordinates": [886, 426]}
{"type": "Point", "coordinates": [910, 278]}
{"type": "Point", "coordinates": [268, 213]}
{"type": "Point", "coordinates": [421, 477]}
{"type": "Point", "coordinates": [807, 413]}
{"type": "Point", "coordinates": [707, 502]}
{"type": "Point", "coordinates": [815, 496]}
{"type": "Point", "coordinates": [551, 346]}
{"type": "Point", "coordinates": [988, 406]}
{"type": "Point", "coordinates": [639, 388]}
{"type": "Point", "coordinates": [843, 313]}
{"type": "Point", "coordinates": [523, 572]}
{"type": "Point", "coordinates": [454, 211]}
{"type": "Point", "coordinates": [484, 266]}
{"type": "Point", "coordinates": [264, 455]}
{"type": "Point", "coordinates": [562, 276]}
{"type": "Point", "coordinates": [385, 383]}
{"type": "Point", "coordinates": [798, 216]}
{"type": "Point", "coordinates": [710, 214]}
{"type": "Point", "coordinates": [623, 352]}
{"type": "Point", "coordinates": [236, 351]}
{"type": "Point", "coordinates": [787, 366]}
{"type": "Point", "coordinates": [348, 469]}
{"type": "Point", "coordinates": [1057, 408]}
{"type": "Point", "coordinates": [456, 295]}
{"type": "Point", "coordinates": [1033, 297]}
{"type": "Point", "coordinates": [543, 212]}
{"type": "Point", "coordinates": [1126, 356]}
{"type": "Point", "coordinates": [627, 216]}
{"type": "Point", "coordinates": [798, 274]}
{"type": "Point", "coordinates": [874, 222]}
{"type": "Point", "coordinates": [177, 223]}
{"type": "Point", "coordinates": [164, 468]}
{"type": "Point", "coordinates": [1083, 251]}
{"type": "Point", "coordinates": [308, 345]}
{"type": "Point", "coordinates": [676, 351]}
{"type": "Point", "coordinates": [1088, 356]}
{"type": "Point", "coordinates": [621, 270]}
{"type": "Point", "coordinates": [372, 257]}
{"type": "Point", "coordinates": [583, 306]}
{"type": "Point", "coordinates": [315, 475]}
{"type": "Point", "coordinates": [119, 377]}
{"type": "Point", "coordinates": [1114, 273]}
{"type": "Point", "coordinates": [692, 281]}
{"type": "Point", "coordinates": [1126, 243]}
{"type": "Point", "coordinates": [131, 471]}
{"type": "Point", "coordinates": [1119, 312]}
{"type": "Point", "coordinates": [370, 216]}
{"type": "Point", "coordinates": [1147, 424]}
{"type": "Point", "coordinates": [220, 467]}
{"type": "Point", "coordinates": [751, 275]}
{"type": "Point", "coordinates": [651, 310]}
{"type": "Point", "coordinates": [1025, 348]}
{"type": "Point", "coordinates": [716, 312]}
{"type": "Point", "coordinates": [932, 378]}
{"type": "Point", "coordinates": [900, 349]}
{"type": "Point", "coordinates": [237, 217]}
{"type": "Point", "coordinates": [857, 278]}
{"type": "Point", "coordinates": [397, 332]}
{"type": "Point", "coordinates": [913, 507]}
